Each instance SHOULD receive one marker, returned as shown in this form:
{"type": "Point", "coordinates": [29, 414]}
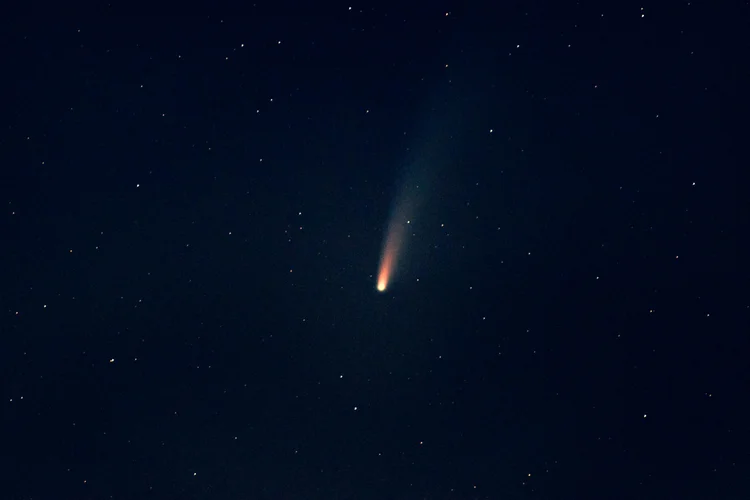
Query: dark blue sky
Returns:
{"type": "Point", "coordinates": [194, 213]}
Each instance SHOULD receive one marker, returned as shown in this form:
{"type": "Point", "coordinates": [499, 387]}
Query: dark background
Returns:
{"type": "Point", "coordinates": [193, 215]}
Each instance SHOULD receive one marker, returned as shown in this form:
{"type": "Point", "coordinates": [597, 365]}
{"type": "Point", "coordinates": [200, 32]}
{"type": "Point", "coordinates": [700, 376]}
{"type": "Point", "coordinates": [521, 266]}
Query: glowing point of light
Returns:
{"type": "Point", "coordinates": [381, 286]}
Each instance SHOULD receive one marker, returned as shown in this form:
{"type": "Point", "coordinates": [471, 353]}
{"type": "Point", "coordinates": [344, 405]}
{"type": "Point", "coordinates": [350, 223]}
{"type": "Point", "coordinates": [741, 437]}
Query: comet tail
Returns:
{"type": "Point", "coordinates": [391, 251]}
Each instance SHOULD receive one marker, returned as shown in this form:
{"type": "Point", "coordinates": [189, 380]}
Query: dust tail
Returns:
{"type": "Point", "coordinates": [394, 245]}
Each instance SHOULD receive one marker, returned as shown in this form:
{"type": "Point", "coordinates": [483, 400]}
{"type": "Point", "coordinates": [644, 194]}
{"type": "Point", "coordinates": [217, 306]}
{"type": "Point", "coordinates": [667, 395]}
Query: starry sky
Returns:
{"type": "Point", "coordinates": [196, 209]}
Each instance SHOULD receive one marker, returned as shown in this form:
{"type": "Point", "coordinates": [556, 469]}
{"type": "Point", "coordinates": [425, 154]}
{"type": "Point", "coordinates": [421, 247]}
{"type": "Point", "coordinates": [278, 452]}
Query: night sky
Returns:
{"type": "Point", "coordinates": [197, 211]}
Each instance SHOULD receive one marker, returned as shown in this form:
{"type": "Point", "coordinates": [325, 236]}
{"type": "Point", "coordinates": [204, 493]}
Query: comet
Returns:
{"type": "Point", "coordinates": [420, 181]}
{"type": "Point", "coordinates": [389, 258]}
{"type": "Point", "coordinates": [393, 246]}
{"type": "Point", "coordinates": [411, 192]}
{"type": "Point", "coordinates": [391, 251]}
